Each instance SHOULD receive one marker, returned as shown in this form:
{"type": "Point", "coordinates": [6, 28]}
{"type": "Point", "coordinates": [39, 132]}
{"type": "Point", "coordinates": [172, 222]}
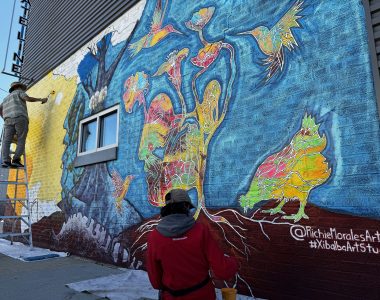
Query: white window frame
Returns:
{"type": "Point", "coordinates": [97, 117]}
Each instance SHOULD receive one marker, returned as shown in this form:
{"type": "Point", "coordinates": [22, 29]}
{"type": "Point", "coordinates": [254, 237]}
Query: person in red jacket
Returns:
{"type": "Point", "coordinates": [182, 252]}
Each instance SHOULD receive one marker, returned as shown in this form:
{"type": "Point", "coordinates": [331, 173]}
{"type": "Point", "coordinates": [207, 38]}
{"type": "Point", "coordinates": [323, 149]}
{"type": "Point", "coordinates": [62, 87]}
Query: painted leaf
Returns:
{"type": "Point", "coordinates": [208, 110]}
{"type": "Point", "coordinates": [200, 18]}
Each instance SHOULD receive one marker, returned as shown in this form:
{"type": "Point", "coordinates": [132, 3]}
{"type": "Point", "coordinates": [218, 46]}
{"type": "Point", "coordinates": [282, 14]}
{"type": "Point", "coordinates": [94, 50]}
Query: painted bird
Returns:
{"type": "Point", "coordinates": [292, 173]}
{"type": "Point", "coordinates": [157, 32]}
{"type": "Point", "coordinates": [271, 41]}
{"type": "Point", "coordinates": [120, 188]}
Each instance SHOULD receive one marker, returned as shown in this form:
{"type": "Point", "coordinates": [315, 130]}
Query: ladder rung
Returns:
{"type": "Point", "coordinates": [24, 203]}
{"type": "Point", "coordinates": [19, 179]}
{"type": "Point", "coordinates": [13, 199]}
{"type": "Point", "coordinates": [5, 234]}
{"type": "Point", "coordinates": [12, 182]}
{"type": "Point", "coordinates": [14, 217]}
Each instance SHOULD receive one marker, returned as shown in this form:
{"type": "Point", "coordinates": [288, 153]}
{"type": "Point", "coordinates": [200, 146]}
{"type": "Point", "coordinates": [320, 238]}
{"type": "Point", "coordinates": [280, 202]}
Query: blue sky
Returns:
{"type": "Point", "coordinates": [5, 20]}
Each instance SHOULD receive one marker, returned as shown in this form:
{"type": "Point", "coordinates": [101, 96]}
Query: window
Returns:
{"type": "Point", "coordinates": [98, 137]}
{"type": "Point", "coordinates": [108, 130]}
{"type": "Point", "coordinates": [88, 140]}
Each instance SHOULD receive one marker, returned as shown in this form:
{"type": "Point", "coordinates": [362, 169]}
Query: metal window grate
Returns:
{"type": "Point", "coordinates": [56, 29]}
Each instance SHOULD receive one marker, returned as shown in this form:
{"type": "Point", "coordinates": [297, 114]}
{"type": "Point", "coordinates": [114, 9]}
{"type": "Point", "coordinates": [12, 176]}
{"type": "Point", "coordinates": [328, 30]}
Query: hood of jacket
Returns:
{"type": "Point", "coordinates": [175, 225]}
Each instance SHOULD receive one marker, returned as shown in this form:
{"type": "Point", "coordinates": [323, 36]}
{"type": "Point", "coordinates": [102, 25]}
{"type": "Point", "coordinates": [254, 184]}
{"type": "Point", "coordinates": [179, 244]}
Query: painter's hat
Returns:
{"type": "Point", "coordinates": [17, 84]}
{"type": "Point", "coordinates": [177, 196]}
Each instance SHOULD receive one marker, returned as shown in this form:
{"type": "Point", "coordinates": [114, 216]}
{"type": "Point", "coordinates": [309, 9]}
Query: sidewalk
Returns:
{"type": "Point", "coordinates": [46, 279]}
{"type": "Point", "coordinates": [68, 277]}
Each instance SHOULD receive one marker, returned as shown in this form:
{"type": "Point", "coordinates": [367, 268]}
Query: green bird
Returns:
{"type": "Point", "coordinates": [271, 41]}
{"type": "Point", "coordinates": [291, 174]}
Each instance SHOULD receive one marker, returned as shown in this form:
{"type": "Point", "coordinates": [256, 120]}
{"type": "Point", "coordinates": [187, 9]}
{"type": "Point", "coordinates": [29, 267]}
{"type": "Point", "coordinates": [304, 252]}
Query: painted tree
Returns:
{"type": "Point", "coordinates": [174, 146]}
{"type": "Point", "coordinates": [90, 189]}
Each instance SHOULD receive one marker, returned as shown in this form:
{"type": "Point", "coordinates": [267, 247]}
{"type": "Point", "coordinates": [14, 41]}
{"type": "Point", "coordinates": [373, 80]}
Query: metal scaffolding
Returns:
{"type": "Point", "coordinates": [14, 203]}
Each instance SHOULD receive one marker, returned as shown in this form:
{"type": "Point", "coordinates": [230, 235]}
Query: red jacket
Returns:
{"type": "Point", "coordinates": [182, 262]}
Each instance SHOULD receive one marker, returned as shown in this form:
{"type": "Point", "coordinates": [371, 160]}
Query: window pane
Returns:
{"type": "Point", "coordinates": [108, 130]}
{"type": "Point", "coordinates": [88, 136]}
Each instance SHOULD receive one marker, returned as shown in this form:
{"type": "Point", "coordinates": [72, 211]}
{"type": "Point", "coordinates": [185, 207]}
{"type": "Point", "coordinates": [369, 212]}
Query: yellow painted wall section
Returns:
{"type": "Point", "coordinates": [44, 145]}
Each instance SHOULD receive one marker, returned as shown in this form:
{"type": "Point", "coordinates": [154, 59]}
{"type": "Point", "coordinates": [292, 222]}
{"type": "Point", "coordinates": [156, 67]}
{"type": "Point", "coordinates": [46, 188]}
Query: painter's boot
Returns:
{"type": "Point", "coordinates": [16, 163]}
{"type": "Point", "coordinates": [6, 164]}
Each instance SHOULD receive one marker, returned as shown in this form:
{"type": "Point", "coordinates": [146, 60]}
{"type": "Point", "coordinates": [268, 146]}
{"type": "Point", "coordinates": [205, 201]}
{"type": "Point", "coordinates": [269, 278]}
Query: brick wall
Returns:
{"type": "Point", "coordinates": [284, 145]}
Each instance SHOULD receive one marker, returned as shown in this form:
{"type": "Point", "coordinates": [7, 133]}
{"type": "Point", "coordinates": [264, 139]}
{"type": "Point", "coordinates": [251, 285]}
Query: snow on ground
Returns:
{"type": "Point", "coordinates": [24, 252]}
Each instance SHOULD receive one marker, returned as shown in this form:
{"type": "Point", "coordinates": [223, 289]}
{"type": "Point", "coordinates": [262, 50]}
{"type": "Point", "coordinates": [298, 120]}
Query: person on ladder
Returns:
{"type": "Point", "coordinates": [15, 114]}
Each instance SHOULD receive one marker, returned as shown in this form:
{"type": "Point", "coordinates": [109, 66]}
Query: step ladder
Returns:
{"type": "Point", "coordinates": [11, 221]}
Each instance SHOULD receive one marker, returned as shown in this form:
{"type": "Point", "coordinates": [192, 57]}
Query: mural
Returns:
{"type": "Point", "coordinates": [156, 33]}
{"type": "Point", "coordinates": [291, 173]}
{"type": "Point", "coordinates": [250, 107]}
{"type": "Point", "coordinates": [183, 137]}
{"type": "Point", "coordinates": [44, 167]}
{"type": "Point", "coordinates": [272, 41]}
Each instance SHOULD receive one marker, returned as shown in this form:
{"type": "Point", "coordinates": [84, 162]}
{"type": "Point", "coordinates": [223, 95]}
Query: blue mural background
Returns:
{"type": "Point", "coordinates": [327, 76]}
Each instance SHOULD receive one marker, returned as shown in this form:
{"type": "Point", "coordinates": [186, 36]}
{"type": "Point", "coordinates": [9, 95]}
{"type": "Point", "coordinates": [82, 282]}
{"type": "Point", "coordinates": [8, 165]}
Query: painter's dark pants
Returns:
{"type": "Point", "coordinates": [14, 126]}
